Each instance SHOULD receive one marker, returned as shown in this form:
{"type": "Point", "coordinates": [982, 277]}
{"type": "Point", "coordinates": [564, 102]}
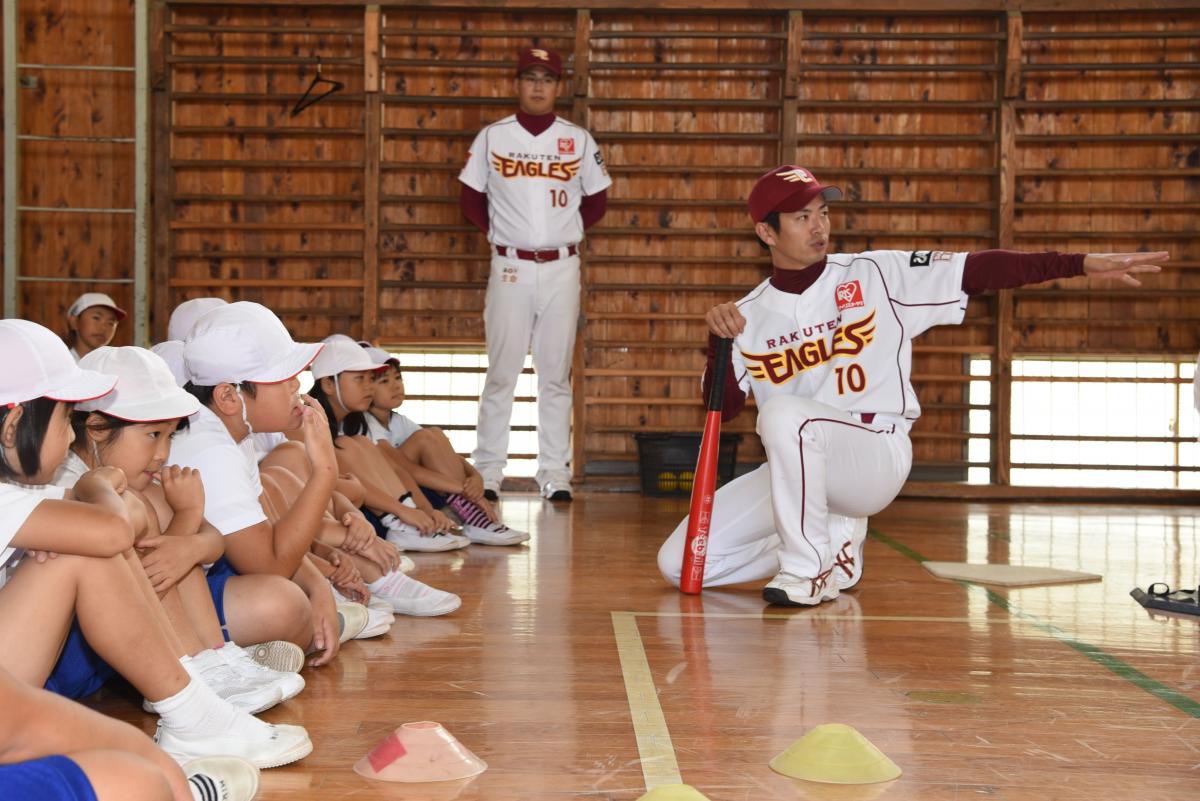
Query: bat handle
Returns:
{"type": "Point", "coordinates": [716, 392]}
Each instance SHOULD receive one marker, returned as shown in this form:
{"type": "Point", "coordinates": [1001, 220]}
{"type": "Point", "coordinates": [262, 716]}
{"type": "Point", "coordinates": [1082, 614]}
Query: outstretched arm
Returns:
{"type": "Point", "coordinates": [1007, 269]}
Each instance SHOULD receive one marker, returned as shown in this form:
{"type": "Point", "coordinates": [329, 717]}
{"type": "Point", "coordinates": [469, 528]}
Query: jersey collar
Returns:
{"type": "Point", "coordinates": [794, 282]}
{"type": "Point", "coordinates": [536, 124]}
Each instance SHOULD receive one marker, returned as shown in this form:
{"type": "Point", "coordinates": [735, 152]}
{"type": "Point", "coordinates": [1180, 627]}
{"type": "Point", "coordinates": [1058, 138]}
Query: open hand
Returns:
{"type": "Point", "coordinates": [1123, 266]}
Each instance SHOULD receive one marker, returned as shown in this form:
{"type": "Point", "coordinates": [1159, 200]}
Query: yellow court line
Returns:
{"type": "Point", "coordinates": [649, 724]}
{"type": "Point", "coordinates": [655, 748]}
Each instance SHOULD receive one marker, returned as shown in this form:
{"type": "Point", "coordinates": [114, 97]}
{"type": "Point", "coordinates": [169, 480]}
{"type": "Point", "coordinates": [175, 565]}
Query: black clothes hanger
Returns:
{"type": "Point", "coordinates": [309, 99]}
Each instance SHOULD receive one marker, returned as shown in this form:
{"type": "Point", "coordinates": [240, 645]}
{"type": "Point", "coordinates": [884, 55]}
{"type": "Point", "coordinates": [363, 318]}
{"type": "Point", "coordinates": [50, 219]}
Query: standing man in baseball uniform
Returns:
{"type": "Point", "coordinates": [825, 345]}
{"type": "Point", "coordinates": [533, 183]}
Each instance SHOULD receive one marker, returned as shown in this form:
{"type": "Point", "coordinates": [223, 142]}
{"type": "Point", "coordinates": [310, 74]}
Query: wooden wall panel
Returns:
{"type": "Point", "coordinates": [1110, 163]}
{"type": "Point", "coordinates": [75, 249]}
{"type": "Point", "coordinates": [267, 204]}
{"type": "Point", "coordinates": [904, 111]}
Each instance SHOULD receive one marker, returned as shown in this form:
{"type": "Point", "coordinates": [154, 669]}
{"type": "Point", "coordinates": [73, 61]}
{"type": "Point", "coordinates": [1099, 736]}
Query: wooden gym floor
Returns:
{"type": "Point", "coordinates": [577, 673]}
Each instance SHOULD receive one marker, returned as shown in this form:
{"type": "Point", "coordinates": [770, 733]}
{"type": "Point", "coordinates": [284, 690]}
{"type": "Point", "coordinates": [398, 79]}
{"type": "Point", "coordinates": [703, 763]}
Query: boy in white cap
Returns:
{"type": "Point", "coordinates": [92, 323]}
{"type": "Point", "coordinates": [242, 365]}
{"type": "Point", "coordinates": [428, 456]}
{"type": "Point", "coordinates": [130, 428]}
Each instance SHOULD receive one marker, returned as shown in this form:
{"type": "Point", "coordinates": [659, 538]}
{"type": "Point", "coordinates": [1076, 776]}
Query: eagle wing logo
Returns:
{"type": "Point", "coordinates": [795, 176]}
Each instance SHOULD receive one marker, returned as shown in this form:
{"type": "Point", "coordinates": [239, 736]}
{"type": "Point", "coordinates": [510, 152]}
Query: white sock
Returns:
{"type": "Point", "coordinates": [196, 709]}
{"type": "Point", "coordinates": [389, 584]}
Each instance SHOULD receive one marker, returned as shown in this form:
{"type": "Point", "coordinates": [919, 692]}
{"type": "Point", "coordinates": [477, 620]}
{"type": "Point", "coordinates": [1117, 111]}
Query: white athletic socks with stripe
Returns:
{"type": "Point", "coordinates": [196, 709]}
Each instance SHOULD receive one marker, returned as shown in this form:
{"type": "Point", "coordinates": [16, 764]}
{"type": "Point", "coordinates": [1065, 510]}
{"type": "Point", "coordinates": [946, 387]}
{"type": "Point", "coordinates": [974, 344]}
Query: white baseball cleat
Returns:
{"type": "Point", "coordinates": [790, 590]}
{"type": "Point", "coordinates": [848, 563]}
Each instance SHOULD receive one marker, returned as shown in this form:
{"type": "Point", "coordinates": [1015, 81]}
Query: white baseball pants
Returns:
{"type": "Point", "coordinates": [529, 305]}
{"type": "Point", "coordinates": [824, 468]}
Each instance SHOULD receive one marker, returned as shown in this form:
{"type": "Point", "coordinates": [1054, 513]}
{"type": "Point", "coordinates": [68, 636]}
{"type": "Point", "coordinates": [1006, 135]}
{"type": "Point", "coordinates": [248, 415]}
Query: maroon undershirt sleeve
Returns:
{"type": "Point", "coordinates": [735, 399]}
{"type": "Point", "coordinates": [592, 208]}
{"type": "Point", "coordinates": [1008, 269]}
{"type": "Point", "coordinates": [474, 207]}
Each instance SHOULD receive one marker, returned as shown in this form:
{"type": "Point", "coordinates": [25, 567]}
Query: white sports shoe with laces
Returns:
{"type": "Point", "coordinates": [790, 590]}
{"type": "Point", "coordinates": [408, 538]}
{"type": "Point", "coordinates": [477, 527]}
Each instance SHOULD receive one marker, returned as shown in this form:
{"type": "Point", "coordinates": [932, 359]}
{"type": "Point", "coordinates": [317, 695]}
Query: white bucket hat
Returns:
{"type": "Point", "coordinates": [185, 315]}
{"type": "Point", "coordinates": [89, 299]}
{"type": "Point", "coordinates": [38, 365]}
{"type": "Point", "coordinates": [146, 390]}
{"type": "Point", "coordinates": [243, 341]}
{"type": "Point", "coordinates": [171, 352]}
{"type": "Point", "coordinates": [341, 356]}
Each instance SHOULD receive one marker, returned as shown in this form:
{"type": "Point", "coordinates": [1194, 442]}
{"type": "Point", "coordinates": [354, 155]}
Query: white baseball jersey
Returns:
{"type": "Point", "coordinates": [846, 341]}
{"type": "Point", "coordinates": [534, 183]}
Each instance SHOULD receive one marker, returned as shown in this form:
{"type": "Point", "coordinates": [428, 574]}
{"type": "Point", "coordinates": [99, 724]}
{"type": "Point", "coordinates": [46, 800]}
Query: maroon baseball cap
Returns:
{"type": "Point", "coordinates": [786, 188]}
{"type": "Point", "coordinates": [540, 57]}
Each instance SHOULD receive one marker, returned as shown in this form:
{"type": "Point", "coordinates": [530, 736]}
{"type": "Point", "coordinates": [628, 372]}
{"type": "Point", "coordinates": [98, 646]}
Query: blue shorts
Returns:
{"type": "Point", "coordinates": [79, 671]}
{"type": "Point", "coordinates": [372, 518]}
{"type": "Point", "coordinates": [52, 778]}
{"type": "Point", "coordinates": [436, 499]}
{"type": "Point", "coordinates": [220, 572]}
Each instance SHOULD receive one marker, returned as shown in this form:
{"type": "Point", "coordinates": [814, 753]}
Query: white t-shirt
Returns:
{"type": "Point", "coordinates": [846, 341]}
{"type": "Point", "coordinates": [70, 471]}
{"type": "Point", "coordinates": [16, 505]}
{"type": "Point", "coordinates": [265, 443]}
{"type": "Point", "coordinates": [399, 429]}
{"type": "Point", "coordinates": [534, 183]}
{"type": "Point", "coordinates": [228, 469]}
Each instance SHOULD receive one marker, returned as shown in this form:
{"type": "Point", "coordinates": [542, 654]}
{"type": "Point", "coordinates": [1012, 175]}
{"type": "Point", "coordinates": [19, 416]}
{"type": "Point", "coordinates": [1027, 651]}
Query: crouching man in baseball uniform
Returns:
{"type": "Point", "coordinates": [533, 182]}
{"type": "Point", "coordinates": [825, 345]}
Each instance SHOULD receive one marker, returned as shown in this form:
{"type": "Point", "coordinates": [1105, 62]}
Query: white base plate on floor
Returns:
{"type": "Point", "coordinates": [1007, 575]}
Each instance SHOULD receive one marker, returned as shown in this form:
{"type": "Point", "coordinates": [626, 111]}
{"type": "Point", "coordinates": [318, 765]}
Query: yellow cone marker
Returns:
{"type": "Point", "coordinates": [674, 792]}
{"type": "Point", "coordinates": [835, 753]}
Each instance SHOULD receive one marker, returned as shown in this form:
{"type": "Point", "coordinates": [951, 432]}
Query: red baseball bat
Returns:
{"type": "Point", "coordinates": [691, 577]}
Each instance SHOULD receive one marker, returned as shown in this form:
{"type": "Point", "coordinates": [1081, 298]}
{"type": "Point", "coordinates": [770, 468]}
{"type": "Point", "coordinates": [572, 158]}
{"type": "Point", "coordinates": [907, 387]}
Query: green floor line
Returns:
{"type": "Point", "coordinates": [1183, 703]}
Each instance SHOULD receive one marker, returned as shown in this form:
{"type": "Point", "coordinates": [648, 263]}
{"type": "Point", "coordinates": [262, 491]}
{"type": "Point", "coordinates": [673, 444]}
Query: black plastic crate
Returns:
{"type": "Point", "coordinates": [668, 462]}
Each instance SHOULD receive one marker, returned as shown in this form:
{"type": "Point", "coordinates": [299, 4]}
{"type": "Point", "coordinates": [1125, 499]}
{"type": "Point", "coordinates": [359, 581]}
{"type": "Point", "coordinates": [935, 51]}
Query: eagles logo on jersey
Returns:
{"type": "Point", "coordinates": [516, 168]}
{"type": "Point", "coordinates": [779, 367]}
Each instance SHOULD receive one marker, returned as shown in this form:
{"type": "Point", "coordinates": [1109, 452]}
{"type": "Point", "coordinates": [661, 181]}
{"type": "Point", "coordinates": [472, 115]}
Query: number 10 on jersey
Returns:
{"type": "Point", "coordinates": [558, 198]}
{"type": "Point", "coordinates": [852, 379]}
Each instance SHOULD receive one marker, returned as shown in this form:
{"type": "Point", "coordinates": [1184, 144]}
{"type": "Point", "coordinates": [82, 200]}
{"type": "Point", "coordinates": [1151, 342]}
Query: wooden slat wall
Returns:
{"type": "Point", "coordinates": [253, 202]}
{"type": "Point", "coordinates": [75, 173]}
{"type": "Point", "coordinates": [1110, 163]}
{"type": "Point", "coordinates": [961, 131]}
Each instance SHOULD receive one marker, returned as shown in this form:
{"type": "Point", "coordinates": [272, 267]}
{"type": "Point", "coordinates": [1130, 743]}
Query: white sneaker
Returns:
{"type": "Point", "coordinates": [789, 590]}
{"type": "Point", "coordinates": [352, 619]}
{"type": "Point", "coordinates": [848, 564]}
{"type": "Point", "coordinates": [221, 778]}
{"type": "Point", "coordinates": [281, 655]}
{"type": "Point", "coordinates": [379, 616]}
{"type": "Point", "coordinates": [408, 538]}
{"type": "Point", "coordinates": [407, 596]}
{"type": "Point", "coordinates": [289, 683]}
{"type": "Point", "coordinates": [557, 490]}
{"type": "Point", "coordinates": [478, 528]}
{"type": "Point", "coordinates": [253, 697]}
{"type": "Point", "coordinates": [279, 744]}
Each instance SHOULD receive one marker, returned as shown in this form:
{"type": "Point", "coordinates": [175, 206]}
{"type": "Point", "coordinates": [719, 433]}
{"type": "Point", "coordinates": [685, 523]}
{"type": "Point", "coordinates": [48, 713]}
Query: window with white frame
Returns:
{"type": "Point", "coordinates": [1115, 422]}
